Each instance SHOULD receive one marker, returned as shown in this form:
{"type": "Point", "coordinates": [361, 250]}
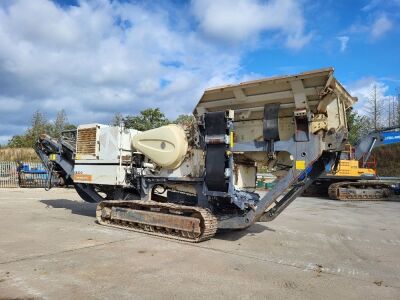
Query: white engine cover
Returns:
{"type": "Point", "coordinates": [165, 146]}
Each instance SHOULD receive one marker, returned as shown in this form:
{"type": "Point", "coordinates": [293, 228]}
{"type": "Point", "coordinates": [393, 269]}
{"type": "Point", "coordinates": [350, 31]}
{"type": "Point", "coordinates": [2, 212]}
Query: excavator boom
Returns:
{"type": "Point", "coordinates": [378, 138]}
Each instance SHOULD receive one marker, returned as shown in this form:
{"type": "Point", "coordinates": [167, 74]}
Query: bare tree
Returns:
{"type": "Point", "coordinates": [59, 123]}
{"type": "Point", "coordinates": [397, 108]}
{"type": "Point", "coordinates": [392, 113]}
{"type": "Point", "coordinates": [374, 109]}
{"type": "Point", "coordinates": [390, 117]}
{"type": "Point", "coordinates": [117, 119]}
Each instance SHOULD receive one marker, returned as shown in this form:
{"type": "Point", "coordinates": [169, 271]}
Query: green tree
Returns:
{"type": "Point", "coordinates": [40, 125]}
{"type": "Point", "coordinates": [70, 126]}
{"type": "Point", "coordinates": [18, 141]}
{"type": "Point", "coordinates": [358, 126]}
{"type": "Point", "coordinates": [147, 119]}
{"type": "Point", "coordinates": [185, 119]}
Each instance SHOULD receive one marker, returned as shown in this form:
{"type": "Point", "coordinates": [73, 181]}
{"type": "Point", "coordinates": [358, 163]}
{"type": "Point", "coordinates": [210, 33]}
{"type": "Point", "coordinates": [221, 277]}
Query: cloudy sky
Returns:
{"type": "Point", "coordinates": [97, 58]}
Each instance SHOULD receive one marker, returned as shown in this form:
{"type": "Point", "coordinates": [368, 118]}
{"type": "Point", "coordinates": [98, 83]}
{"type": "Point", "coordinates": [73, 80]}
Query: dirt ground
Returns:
{"type": "Point", "coordinates": [51, 248]}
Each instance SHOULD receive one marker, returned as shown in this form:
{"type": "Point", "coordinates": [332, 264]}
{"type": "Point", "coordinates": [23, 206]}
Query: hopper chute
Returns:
{"type": "Point", "coordinates": [306, 90]}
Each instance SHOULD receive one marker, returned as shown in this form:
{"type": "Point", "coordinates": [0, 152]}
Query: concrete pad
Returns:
{"type": "Point", "coordinates": [51, 248]}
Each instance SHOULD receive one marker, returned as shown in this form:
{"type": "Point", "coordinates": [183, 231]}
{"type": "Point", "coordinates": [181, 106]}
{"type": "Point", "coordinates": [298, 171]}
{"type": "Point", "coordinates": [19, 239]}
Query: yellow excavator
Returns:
{"type": "Point", "coordinates": [349, 166]}
{"type": "Point", "coordinates": [354, 177]}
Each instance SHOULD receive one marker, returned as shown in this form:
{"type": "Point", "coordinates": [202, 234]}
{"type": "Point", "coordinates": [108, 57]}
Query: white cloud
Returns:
{"type": "Point", "coordinates": [380, 26]}
{"type": "Point", "coordinates": [244, 20]}
{"type": "Point", "coordinates": [343, 42]}
{"type": "Point", "coordinates": [101, 58]}
{"type": "Point", "coordinates": [377, 25]}
{"type": "Point", "coordinates": [4, 139]}
{"type": "Point", "coordinates": [374, 4]}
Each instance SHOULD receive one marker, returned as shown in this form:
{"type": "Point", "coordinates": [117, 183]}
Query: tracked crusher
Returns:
{"type": "Point", "coordinates": [187, 181]}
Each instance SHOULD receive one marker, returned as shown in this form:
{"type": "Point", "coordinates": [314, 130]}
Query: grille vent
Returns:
{"type": "Point", "coordinates": [86, 141]}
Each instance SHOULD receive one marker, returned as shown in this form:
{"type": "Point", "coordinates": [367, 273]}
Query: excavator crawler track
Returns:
{"type": "Point", "coordinates": [168, 220]}
{"type": "Point", "coordinates": [359, 191]}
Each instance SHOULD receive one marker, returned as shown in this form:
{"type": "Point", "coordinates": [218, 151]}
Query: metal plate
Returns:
{"type": "Point", "coordinates": [157, 219]}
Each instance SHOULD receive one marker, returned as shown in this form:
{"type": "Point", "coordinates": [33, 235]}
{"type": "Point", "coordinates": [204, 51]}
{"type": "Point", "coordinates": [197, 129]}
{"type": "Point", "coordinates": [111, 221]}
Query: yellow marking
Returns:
{"type": "Point", "coordinates": [77, 157]}
{"type": "Point", "coordinates": [53, 156]}
{"type": "Point", "coordinates": [232, 143]}
{"type": "Point", "coordinates": [83, 177]}
{"type": "Point", "coordinates": [300, 164]}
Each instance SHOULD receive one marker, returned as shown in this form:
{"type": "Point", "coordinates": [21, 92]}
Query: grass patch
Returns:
{"type": "Point", "coordinates": [17, 154]}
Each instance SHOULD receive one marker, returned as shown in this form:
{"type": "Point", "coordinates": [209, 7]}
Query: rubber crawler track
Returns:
{"type": "Point", "coordinates": [335, 192]}
{"type": "Point", "coordinates": [208, 222]}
